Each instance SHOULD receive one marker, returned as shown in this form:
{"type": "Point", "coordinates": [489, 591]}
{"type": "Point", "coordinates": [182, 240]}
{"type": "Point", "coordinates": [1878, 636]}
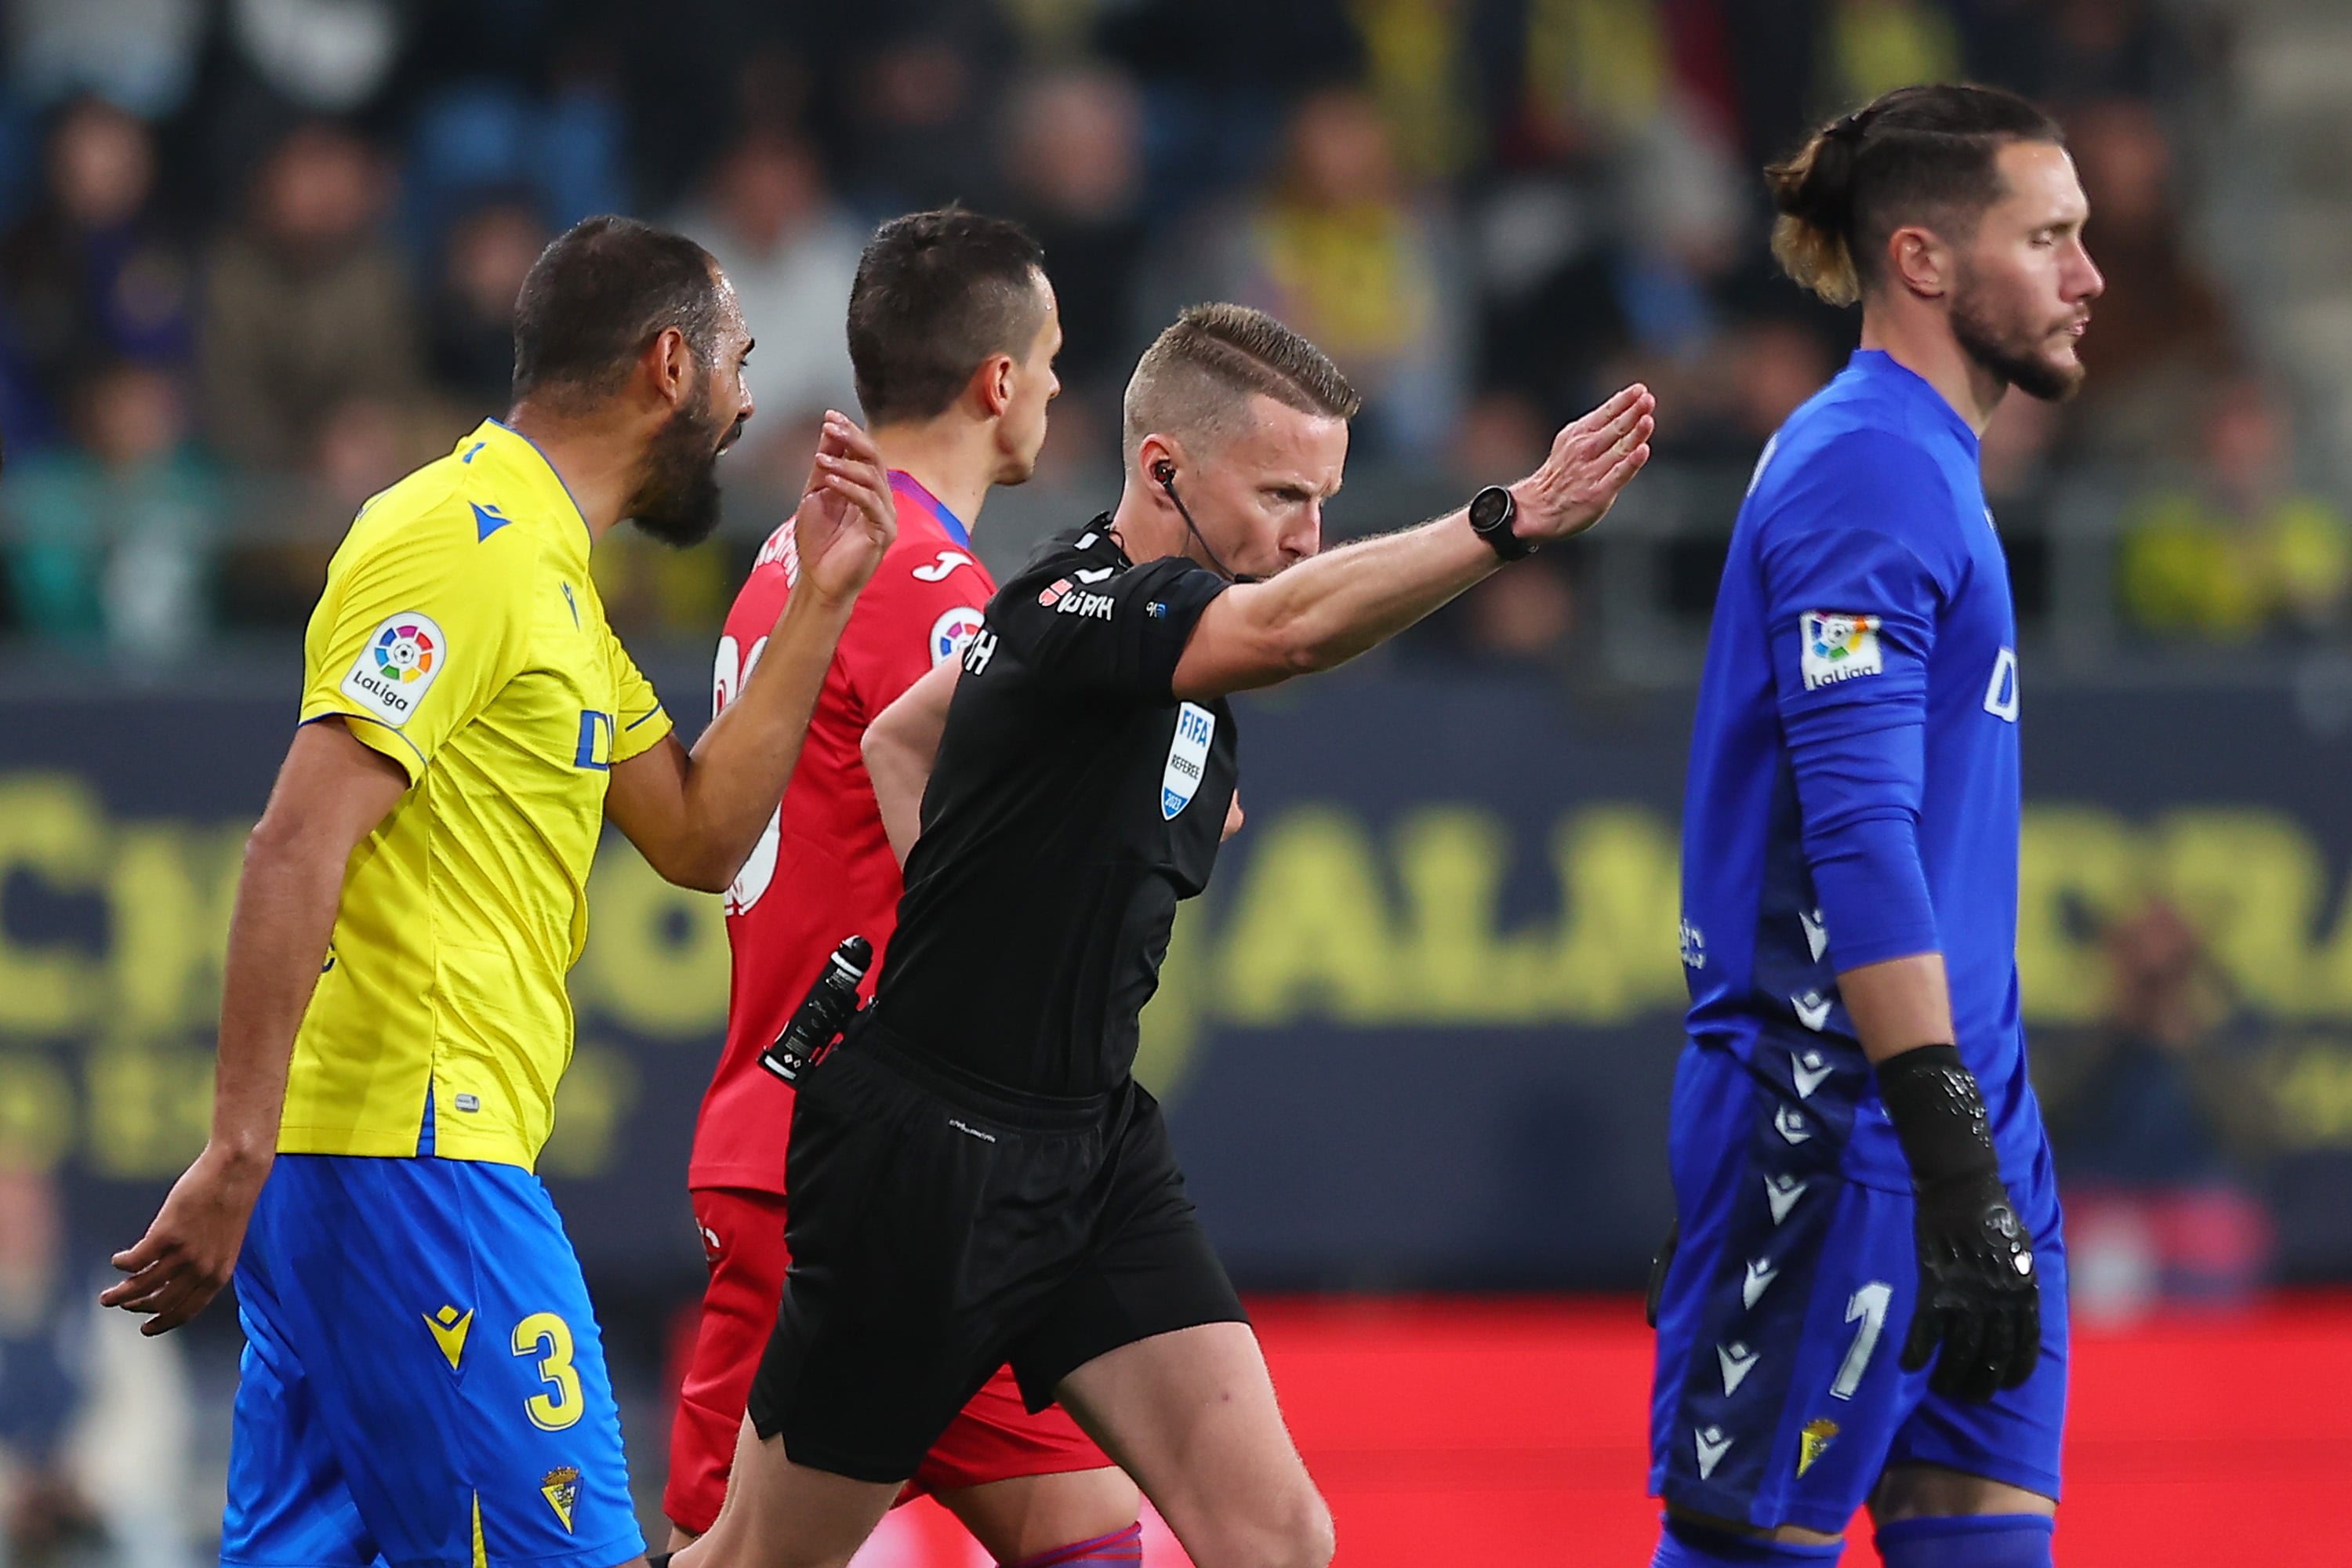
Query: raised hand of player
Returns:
{"type": "Point", "coordinates": [1591, 461]}
{"type": "Point", "coordinates": [190, 1250]}
{"type": "Point", "coordinates": [847, 518]}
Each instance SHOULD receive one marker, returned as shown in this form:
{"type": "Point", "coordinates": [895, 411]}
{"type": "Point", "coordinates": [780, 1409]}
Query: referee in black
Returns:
{"type": "Point", "coordinates": [976, 1177]}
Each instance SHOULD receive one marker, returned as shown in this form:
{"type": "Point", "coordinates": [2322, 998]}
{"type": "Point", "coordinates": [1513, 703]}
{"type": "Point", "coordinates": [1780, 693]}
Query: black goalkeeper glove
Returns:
{"type": "Point", "coordinates": [1978, 1297]}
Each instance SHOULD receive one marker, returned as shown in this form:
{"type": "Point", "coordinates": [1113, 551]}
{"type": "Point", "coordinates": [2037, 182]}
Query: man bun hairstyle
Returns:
{"type": "Point", "coordinates": [937, 294]}
{"type": "Point", "coordinates": [597, 296]}
{"type": "Point", "coordinates": [1915, 154]}
{"type": "Point", "coordinates": [1197, 377]}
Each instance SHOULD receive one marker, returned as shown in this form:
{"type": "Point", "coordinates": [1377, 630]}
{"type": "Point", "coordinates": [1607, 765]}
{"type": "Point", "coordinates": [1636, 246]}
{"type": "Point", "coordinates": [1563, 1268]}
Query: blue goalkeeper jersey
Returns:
{"type": "Point", "coordinates": [1853, 779]}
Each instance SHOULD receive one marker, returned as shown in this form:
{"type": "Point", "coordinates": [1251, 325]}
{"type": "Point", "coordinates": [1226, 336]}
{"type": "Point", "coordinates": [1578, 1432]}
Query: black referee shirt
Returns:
{"type": "Point", "coordinates": [1072, 803]}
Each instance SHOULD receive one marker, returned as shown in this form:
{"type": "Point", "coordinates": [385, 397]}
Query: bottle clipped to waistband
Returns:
{"type": "Point", "coordinates": [823, 1014]}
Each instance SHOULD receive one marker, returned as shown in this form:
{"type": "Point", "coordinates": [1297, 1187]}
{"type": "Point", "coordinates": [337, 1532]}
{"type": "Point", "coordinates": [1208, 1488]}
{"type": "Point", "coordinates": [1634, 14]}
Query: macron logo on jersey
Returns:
{"type": "Point", "coordinates": [1838, 646]}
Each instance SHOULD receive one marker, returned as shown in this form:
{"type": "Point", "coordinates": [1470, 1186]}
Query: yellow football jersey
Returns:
{"type": "Point", "coordinates": [460, 635]}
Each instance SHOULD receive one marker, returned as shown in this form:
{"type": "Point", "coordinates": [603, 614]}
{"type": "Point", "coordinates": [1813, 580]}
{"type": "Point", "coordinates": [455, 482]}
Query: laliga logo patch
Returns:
{"type": "Point", "coordinates": [1188, 757]}
{"type": "Point", "coordinates": [403, 657]}
{"type": "Point", "coordinates": [1839, 646]}
{"type": "Point", "coordinates": [951, 631]}
{"type": "Point", "coordinates": [404, 652]}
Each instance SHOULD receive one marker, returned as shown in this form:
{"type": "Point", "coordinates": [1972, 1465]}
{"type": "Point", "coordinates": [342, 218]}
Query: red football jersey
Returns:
{"type": "Point", "coordinates": [824, 869]}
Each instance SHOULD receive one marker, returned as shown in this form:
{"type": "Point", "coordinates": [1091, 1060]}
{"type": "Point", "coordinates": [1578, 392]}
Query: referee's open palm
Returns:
{"type": "Point", "coordinates": [846, 518]}
{"type": "Point", "coordinates": [1590, 462]}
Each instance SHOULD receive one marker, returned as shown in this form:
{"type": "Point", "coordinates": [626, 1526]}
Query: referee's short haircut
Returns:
{"type": "Point", "coordinates": [1197, 378]}
{"type": "Point", "coordinates": [937, 294]}
{"type": "Point", "coordinates": [598, 296]}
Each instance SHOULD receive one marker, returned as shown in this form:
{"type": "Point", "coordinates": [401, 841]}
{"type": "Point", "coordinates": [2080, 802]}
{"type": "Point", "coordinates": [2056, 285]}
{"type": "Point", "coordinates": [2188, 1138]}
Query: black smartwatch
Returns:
{"type": "Point", "coordinates": [1493, 510]}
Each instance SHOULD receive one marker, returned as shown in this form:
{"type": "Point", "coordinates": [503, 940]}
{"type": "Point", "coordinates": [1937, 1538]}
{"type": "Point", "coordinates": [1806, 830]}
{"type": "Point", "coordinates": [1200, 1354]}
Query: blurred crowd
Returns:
{"type": "Point", "coordinates": [258, 257]}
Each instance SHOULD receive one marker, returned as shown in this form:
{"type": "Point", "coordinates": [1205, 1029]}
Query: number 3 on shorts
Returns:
{"type": "Point", "coordinates": [549, 1337]}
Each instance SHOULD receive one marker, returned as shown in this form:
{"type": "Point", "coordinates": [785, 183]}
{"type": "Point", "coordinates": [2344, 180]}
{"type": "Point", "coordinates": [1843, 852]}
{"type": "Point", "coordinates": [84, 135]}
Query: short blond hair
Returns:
{"type": "Point", "coordinates": [1197, 377]}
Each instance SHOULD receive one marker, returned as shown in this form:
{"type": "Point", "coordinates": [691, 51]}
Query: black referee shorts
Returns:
{"type": "Point", "coordinates": [939, 1231]}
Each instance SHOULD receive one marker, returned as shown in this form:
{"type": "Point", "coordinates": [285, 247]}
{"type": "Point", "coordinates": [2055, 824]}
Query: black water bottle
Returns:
{"type": "Point", "coordinates": [823, 1014]}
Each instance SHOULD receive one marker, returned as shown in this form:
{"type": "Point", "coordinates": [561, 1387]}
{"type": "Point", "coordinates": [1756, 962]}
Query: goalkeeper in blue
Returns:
{"type": "Point", "coordinates": [1868, 1301]}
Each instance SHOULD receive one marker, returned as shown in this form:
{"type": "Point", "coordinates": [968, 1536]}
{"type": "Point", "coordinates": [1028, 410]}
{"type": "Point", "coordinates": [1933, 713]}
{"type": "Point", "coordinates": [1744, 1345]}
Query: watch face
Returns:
{"type": "Point", "coordinates": [1488, 507]}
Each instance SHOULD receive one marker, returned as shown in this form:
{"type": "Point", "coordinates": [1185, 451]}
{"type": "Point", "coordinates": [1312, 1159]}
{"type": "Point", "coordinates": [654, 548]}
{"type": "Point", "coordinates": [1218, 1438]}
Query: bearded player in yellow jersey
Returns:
{"type": "Point", "coordinates": [422, 1381]}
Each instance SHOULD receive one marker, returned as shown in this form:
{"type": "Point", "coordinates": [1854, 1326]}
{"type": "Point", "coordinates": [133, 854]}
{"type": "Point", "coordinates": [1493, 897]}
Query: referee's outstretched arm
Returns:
{"type": "Point", "coordinates": [1320, 611]}
{"type": "Point", "coordinates": [1332, 606]}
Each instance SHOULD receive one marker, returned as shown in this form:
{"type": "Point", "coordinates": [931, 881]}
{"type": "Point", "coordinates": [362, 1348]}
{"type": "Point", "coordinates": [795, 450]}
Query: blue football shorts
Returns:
{"type": "Point", "coordinates": [423, 1379]}
{"type": "Point", "coordinates": [1779, 1397]}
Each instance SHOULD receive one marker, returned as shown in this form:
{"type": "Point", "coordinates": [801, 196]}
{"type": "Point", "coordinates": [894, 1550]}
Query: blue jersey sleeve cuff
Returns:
{"type": "Point", "coordinates": [1873, 892]}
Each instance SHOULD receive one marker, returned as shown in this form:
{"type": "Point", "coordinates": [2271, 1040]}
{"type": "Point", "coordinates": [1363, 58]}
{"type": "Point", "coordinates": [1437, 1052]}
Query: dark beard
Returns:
{"type": "Point", "coordinates": [2004, 354]}
{"type": "Point", "coordinates": [678, 500]}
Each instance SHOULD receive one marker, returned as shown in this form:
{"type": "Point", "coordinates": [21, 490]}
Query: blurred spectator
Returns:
{"type": "Point", "coordinates": [2005, 43]}
{"type": "Point", "coordinates": [325, 57]}
{"type": "Point", "coordinates": [1621, 206]}
{"type": "Point", "coordinates": [791, 252]}
{"type": "Point", "coordinates": [2136, 1117]}
{"type": "Point", "coordinates": [1680, 210]}
{"type": "Point", "coordinates": [1737, 395]}
{"type": "Point", "coordinates": [1523, 618]}
{"type": "Point", "coordinates": [1336, 249]}
{"type": "Point", "coordinates": [2160, 333]}
{"type": "Point", "coordinates": [1214, 111]}
{"type": "Point", "coordinates": [2240, 549]}
{"type": "Point", "coordinates": [2099, 49]}
{"type": "Point", "coordinates": [306, 304]}
{"type": "Point", "coordinates": [2140, 1129]}
{"type": "Point", "coordinates": [1501, 438]}
{"type": "Point", "coordinates": [1874, 45]}
{"type": "Point", "coordinates": [470, 327]}
{"type": "Point", "coordinates": [107, 540]}
{"type": "Point", "coordinates": [363, 445]}
{"type": "Point", "coordinates": [1772, 49]}
{"type": "Point", "coordinates": [271, 578]}
{"type": "Point", "coordinates": [558, 156]}
{"type": "Point", "coordinates": [1514, 205]}
{"type": "Point", "coordinates": [2015, 453]}
{"type": "Point", "coordinates": [1073, 162]}
{"type": "Point", "coordinates": [94, 1417]}
{"type": "Point", "coordinates": [91, 273]}
{"type": "Point", "coordinates": [1594, 72]}
{"type": "Point", "coordinates": [1550, 315]}
{"type": "Point", "coordinates": [919, 136]}
{"type": "Point", "coordinates": [42, 1360]}
{"type": "Point", "coordinates": [140, 53]}
{"type": "Point", "coordinates": [1419, 66]}
{"type": "Point", "coordinates": [650, 589]}
{"type": "Point", "coordinates": [2021, 489]}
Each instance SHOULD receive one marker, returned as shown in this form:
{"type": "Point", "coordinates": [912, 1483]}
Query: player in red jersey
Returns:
{"type": "Point", "coordinates": [952, 333]}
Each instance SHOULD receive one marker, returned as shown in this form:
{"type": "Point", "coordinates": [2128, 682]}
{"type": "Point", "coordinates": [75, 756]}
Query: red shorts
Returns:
{"type": "Point", "coordinates": [994, 1439]}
